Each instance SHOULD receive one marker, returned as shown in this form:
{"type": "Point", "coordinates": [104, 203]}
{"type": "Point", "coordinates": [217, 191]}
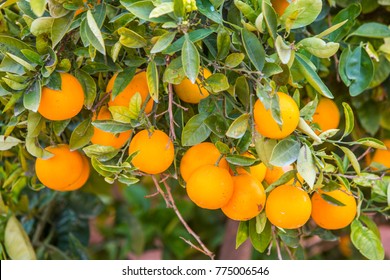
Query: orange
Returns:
{"type": "Point", "coordinates": [248, 198]}
{"type": "Point", "coordinates": [383, 156]}
{"type": "Point", "coordinates": [201, 154]}
{"type": "Point", "coordinates": [210, 187]}
{"type": "Point", "coordinates": [280, 6]}
{"type": "Point", "coordinates": [274, 173]}
{"type": "Point", "coordinates": [104, 138]}
{"type": "Point", "coordinates": [288, 207]}
{"type": "Point", "coordinates": [137, 84]}
{"type": "Point", "coordinates": [257, 171]}
{"type": "Point", "coordinates": [268, 127]}
{"type": "Point", "coordinates": [345, 245]}
{"type": "Point", "coordinates": [63, 104]}
{"type": "Point", "coordinates": [155, 151]}
{"type": "Point", "coordinates": [85, 172]}
{"type": "Point", "coordinates": [79, 11]}
{"type": "Point", "coordinates": [192, 93]}
{"type": "Point", "coordinates": [327, 114]}
{"type": "Point", "coordinates": [331, 216]}
{"type": "Point", "coordinates": [63, 170]}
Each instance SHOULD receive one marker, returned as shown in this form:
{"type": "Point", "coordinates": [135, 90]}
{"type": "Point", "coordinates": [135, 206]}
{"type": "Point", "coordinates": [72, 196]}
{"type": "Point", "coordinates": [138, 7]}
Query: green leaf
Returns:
{"type": "Point", "coordinates": [34, 148]}
{"type": "Point", "coordinates": [217, 82]}
{"type": "Point", "coordinates": [190, 60]}
{"type": "Point", "coordinates": [7, 143]}
{"type": "Point", "coordinates": [12, 45]}
{"type": "Point", "coordinates": [352, 158]}
{"type": "Point", "coordinates": [290, 237]}
{"type": "Point", "coordinates": [343, 66]}
{"type": "Point", "coordinates": [194, 36]}
{"type": "Point", "coordinates": [163, 42]}
{"type": "Point", "coordinates": [217, 124]}
{"type": "Point", "coordinates": [372, 30]}
{"type": "Point", "coordinates": [253, 48]}
{"type": "Point", "coordinates": [264, 148]}
{"type": "Point", "coordinates": [32, 96]}
{"type": "Point", "coordinates": [366, 241]}
{"type": "Point", "coordinates": [195, 131]}
{"type": "Point", "coordinates": [223, 43]}
{"type": "Point", "coordinates": [234, 59]}
{"type": "Point", "coordinates": [174, 73]}
{"type": "Point", "coordinates": [122, 80]}
{"type": "Point", "coordinates": [60, 27]}
{"type": "Point", "coordinates": [271, 19]}
{"type": "Point", "coordinates": [38, 7]}
{"type": "Point", "coordinates": [33, 56]}
{"type": "Point", "coordinates": [208, 10]}
{"type": "Point", "coordinates": [242, 233]}
{"type": "Point", "coordinates": [179, 8]}
{"type": "Point", "coordinates": [131, 39]}
{"type": "Point", "coordinates": [285, 178]}
{"type": "Point", "coordinates": [238, 127]}
{"type": "Point", "coordinates": [311, 76]}
{"type": "Point", "coordinates": [162, 9]}
{"type": "Point", "coordinates": [81, 135]}
{"type": "Point", "coordinates": [284, 51]}
{"type": "Point", "coordinates": [94, 34]}
{"type": "Point", "coordinates": [102, 153]}
{"type": "Point", "coordinates": [350, 13]}
{"type": "Point", "coordinates": [372, 142]}
{"type": "Point", "coordinates": [112, 126]}
{"type": "Point", "coordinates": [359, 70]}
{"type": "Point", "coordinates": [153, 80]}
{"type": "Point", "coordinates": [319, 47]}
{"type": "Point", "coordinates": [260, 241]}
{"type": "Point", "coordinates": [240, 160]}
{"type": "Point", "coordinates": [246, 9]}
{"type": "Point", "coordinates": [349, 119]}
{"type": "Point", "coordinates": [370, 224]}
{"type": "Point", "coordinates": [331, 29]}
{"type": "Point", "coordinates": [89, 87]}
{"type": "Point", "coordinates": [142, 9]}
{"type": "Point", "coordinates": [331, 200]}
{"type": "Point", "coordinates": [242, 91]}
{"type": "Point", "coordinates": [35, 124]}
{"type": "Point", "coordinates": [22, 62]}
{"type": "Point", "coordinates": [124, 115]}
{"type": "Point", "coordinates": [301, 13]}
{"type": "Point", "coordinates": [285, 152]}
{"type": "Point", "coordinates": [305, 165]}
{"type": "Point", "coordinates": [16, 241]}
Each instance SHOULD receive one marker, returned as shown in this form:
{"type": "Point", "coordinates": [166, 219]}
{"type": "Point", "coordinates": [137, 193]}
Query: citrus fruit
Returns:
{"type": "Point", "coordinates": [288, 207]}
{"type": "Point", "coordinates": [274, 173]}
{"type": "Point", "coordinates": [257, 171]}
{"type": "Point", "coordinates": [85, 172]}
{"type": "Point", "coordinates": [332, 216]}
{"type": "Point", "coordinates": [79, 11]}
{"type": "Point", "coordinates": [280, 6]}
{"type": "Point", "coordinates": [345, 245]}
{"type": "Point", "coordinates": [383, 156]}
{"type": "Point", "coordinates": [210, 187]}
{"type": "Point", "coordinates": [63, 104]}
{"type": "Point", "coordinates": [248, 198]}
{"type": "Point", "coordinates": [62, 170]}
{"type": "Point", "coordinates": [104, 138]}
{"type": "Point", "coordinates": [201, 154]}
{"type": "Point", "coordinates": [268, 127]}
{"type": "Point", "coordinates": [137, 84]}
{"type": "Point", "coordinates": [192, 93]}
{"type": "Point", "coordinates": [327, 114]}
{"type": "Point", "coordinates": [155, 151]}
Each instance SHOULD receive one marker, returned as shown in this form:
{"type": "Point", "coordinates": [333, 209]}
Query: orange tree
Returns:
{"type": "Point", "coordinates": [177, 110]}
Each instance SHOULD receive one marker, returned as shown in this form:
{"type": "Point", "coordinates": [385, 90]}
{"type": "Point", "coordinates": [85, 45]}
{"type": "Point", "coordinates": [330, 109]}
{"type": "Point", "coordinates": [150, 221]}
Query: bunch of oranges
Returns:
{"type": "Point", "coordinates": [210, 183]}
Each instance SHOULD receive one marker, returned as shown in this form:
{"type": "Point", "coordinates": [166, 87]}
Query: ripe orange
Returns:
{"type": "Point", "coordinates": [192, 93]}
{"type": "Point", "coordinates": [331, 216]}
{"type": "Point", "coordinates": [288, 207]}
{"type": "Point", "coordinates": [248, 198]}
{"type": "Point", "coordinates": [63, 104]}
{"type": "Point", "coordinates": [210, 187]}
{"type": "Point", "coordinates": [85, 172]}
{"type": "Point", "coordinates": [383, 156]}
{"type": "Point", "coordinates": [257, 171]}
{"type": "Point", "coordinates": [104, 138]}
{"type": "Point", "coordinates": [201, 154]}
{"type": "Point", "coordinates": [274, 173]}
{"type": "Point", "coordinates": [137, 84]}
{"type": "Point", "coordinates": [66, 170]}
{"type": "Point", "coordinates": [156, 151]}
{"type": "Point", "coordinates": [327, 114]}
{"type": "Point", "coordinates": [289, 114]}
{"type": "Point", "coordinates": [280, 6]}
{"type": "Point", "coordinates": [345, 245]}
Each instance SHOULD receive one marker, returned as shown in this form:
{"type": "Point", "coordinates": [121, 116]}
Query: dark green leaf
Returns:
{"type": "Point", "coordinates": [194, 36]}
{"type": "Point", "coordinates": [122, 80]}
{"type": "Point", "coordinates": [153, 80]}
{"type": "Point", "coordinates": [285, 152]}
{"type": "Point", "coordinates": [32, 96]}
{"type": "Point", "coordinates": [254, 49]}
{"type": "Point", "coordinates": [163, 42]}
{"type": "Point", "coordinates": [217, 124]}
{"type": "Point", "coordinates": [195, 131]}
{"type": "Point", "coordinates": [190, 59]}
{"type": "Point", "coordinates": [260, 241]}
{"type": "Point", "coordinates": [81, 135]}
{"type": "Point", "coordinates": [240, 160]}
{"type": "Point", "coordinates": [112, 126]}
{"type": "Point", "coordinates": [242, 233]}
{"type": "Point", "coordinates": [239, 126]}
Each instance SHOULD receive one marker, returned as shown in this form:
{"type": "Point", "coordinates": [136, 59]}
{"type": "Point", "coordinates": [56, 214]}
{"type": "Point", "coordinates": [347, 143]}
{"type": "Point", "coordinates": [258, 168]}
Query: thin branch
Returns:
{"type": "Point", "coordinates": [277, 244]}
{"type": "Point", "coordinates": [193, 246]}
{"type": "Point", "coordinates": [43, 221]}
{"type": "Point", "coordinates": [364, 154]}
{"type": "Point", "coordinates": [170, 112]}
{"type": "Point", "coordinates": [101, 101]}
{"type": "Point", "coordinates": [171, 204]}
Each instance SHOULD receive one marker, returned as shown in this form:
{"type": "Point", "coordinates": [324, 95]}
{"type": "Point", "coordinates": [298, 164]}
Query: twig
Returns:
{"type": "Point", "coordinates": [288, 251]}
{"type": "Point", "coordinates": [364, 154]}
{"type": "Point", "coordinates": [152, 195]}
{"type": "Point", "coordinates": [180, 106]}
{"type": "Point", "coordinates": [171, 204]}
{"type": "Point", "coordinates": [42, 223]}
{"type": "Point", "coordinates": [193, 246]}
{"type": "Point", "coordinates": [277, 244]}
{"type": "Point", "coordinates": [159, 190]}
{"type": "Point", "coordinates": [170, 111]}
{"type": "Point", "coordinates": [101, 101]}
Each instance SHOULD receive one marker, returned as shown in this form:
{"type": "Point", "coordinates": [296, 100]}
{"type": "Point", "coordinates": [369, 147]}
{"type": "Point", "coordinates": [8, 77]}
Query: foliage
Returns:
{"type": "Point", "coordinates": [336, 49]}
